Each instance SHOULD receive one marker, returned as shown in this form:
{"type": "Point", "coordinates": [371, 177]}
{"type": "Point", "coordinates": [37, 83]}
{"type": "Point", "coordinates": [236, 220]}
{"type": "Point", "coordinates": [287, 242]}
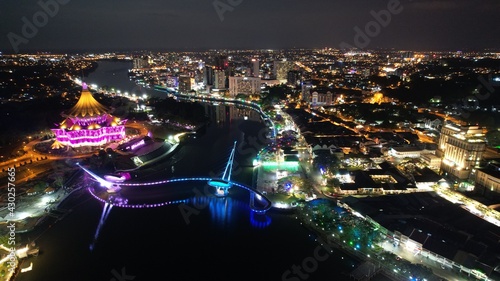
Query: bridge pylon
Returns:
{"type": "Point", "coordinates": [223, 184]}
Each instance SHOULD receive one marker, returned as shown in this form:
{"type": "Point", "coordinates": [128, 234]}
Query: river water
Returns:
{"type": "Point", "coordinates": [205, 238]}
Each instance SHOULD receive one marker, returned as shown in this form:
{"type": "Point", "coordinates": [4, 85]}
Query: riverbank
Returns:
{"type": "Point", "coordinates": [222, 228]}
{"type": "Point", "coordinates": [357, 238]}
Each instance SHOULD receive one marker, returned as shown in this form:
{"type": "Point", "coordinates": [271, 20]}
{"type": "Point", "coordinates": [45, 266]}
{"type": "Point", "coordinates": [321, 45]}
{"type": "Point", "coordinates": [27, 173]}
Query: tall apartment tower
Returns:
{"type": "Point", "coordinates": [255, 68]}
{"type": "Point", "coordinates": [208, 75]}
{"type": "Point", "coordinates": [244, 85]}
{"type": "Point", "coordinates": [220, 79]}
{"type": "Point", "coordinates": [461, 148]}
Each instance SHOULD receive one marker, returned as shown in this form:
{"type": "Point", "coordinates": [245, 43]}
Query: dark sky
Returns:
{"type": "Point", "coordinates": [114, 25]}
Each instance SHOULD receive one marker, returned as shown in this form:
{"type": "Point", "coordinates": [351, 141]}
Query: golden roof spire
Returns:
{"type": "Point", "coordinates": [87, 105]}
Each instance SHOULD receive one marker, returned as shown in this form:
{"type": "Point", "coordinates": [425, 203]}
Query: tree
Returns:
{"type": "Point", "coordinates": [241, 97]}
{"type": "Point", "coordinates": [40, 187]}
{"type": "Point", "coordinates": [274, 94]}
{"type": "Point", "coordinates": [4, 240]}
{"type": "Point", "coordinates": [306, 185]}
{"type": "Point", "coordinates": [59, 180]}
{"type": "Point", "coordinates": [493, 138]}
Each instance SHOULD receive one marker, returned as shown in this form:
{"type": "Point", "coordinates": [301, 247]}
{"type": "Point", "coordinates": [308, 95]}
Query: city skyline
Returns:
{"type": "Point", "coordinates": [235, 139]}
{"type": "Point", "coordinates": [64, 25]}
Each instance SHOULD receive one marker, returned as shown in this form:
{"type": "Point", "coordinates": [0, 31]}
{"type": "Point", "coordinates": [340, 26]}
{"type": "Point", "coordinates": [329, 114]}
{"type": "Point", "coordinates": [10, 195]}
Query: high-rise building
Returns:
{"type": "Point", "coordinates": [293, 77]}
{"type": "Point", "coordinates": [281, 68]}
{"type": "Point", "coordinates": [88, 123]}
{"type": "Point", "coordinates": [306, 91]}
{"type": "Point", "coordinates": [208, 76]}
{"type": "Point", "coordinates": [462, 148]}
{"type": "Point", "coordinates": [255, 68]}
{"type": "Point", "coordinates": [220, 79]}
{"type": "Point", "coordinates": [140, 62]}
{"type": "Point", "coordinates": [221, 62]}
{"type": "Point", "coordinates": [172, 82]}
{"type": "Point", "coordinates": [186, 84]}
{"type": "Point", "coordinates": [244, 85]}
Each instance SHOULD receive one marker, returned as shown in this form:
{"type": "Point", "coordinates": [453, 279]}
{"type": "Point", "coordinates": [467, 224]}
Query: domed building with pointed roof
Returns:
{"type": "Point", "coordinates": [88, 123]}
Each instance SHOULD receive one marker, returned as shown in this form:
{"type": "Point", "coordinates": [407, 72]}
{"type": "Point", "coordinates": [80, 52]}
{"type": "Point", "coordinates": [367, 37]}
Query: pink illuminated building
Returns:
{"type": "Point", "coordinates": [88, 123]}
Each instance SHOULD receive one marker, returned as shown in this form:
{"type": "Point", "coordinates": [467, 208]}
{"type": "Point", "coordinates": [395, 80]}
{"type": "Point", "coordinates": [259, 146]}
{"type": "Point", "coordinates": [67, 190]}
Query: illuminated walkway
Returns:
{"type": "Point", "coordinates": [221, 185]}
{"type": "Point", "coordinates": [124, 204]}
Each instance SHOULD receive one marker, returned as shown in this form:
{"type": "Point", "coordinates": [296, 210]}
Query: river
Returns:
{"type": "Point", "coordinates": [114, 75]}
{"type": "Point", "coordinates": [206, 238]}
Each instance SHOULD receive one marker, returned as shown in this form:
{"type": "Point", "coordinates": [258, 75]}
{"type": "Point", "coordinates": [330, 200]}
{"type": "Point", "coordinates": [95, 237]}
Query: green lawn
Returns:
{"type": "Point", "coordinates": [285, 198]}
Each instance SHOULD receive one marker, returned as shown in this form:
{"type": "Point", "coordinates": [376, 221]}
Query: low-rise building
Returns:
{"type": "Point", "coordinates": [487, 181]}
{"type": "Point", "coordinates": [431, 160]}
{"type": "Point", "coordinates": [386, 180]}
{"type": "Point", "coordinates": [408, 151]}
{"type": "Point", "coordinates": [432, 228]}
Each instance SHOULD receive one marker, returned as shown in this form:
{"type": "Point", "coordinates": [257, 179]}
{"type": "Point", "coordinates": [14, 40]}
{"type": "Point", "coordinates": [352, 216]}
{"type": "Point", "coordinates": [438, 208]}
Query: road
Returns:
{"type": "Point", "coordinates": [439, 268]}
{"type": "Point", "coordinates": [33, 162]}
{"type": "Point", "coordinates": [488, 214]}
{"type": "Point", "coordinates": [443, 116]}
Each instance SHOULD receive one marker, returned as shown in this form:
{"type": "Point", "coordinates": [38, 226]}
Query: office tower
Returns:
{"type": "Point", "coordinates": [255, 67]}
{"type": "Point", "coordinates": [461, 148]}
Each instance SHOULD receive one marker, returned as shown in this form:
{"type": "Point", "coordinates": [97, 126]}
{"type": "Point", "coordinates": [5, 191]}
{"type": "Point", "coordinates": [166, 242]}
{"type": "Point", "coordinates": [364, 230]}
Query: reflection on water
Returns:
{"type": "Point", "coordinates": [226, 230]}
{"type": "Point", "coordinates": [259, 220]}
{"type": "Point", "coordinates": [104, 216]}
{"type": "Point", "coordinates": [221, 209]}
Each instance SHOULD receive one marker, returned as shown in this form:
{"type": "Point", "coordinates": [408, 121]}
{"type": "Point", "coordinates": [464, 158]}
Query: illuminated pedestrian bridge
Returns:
{"type": "Point", "coordinates": [258, 202]}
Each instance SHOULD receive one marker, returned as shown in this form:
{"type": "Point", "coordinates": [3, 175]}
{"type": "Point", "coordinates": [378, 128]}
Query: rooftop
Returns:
{"type": "Point", "coordinates": [439, 225]}
{"type": "Point", "coordinates": [87, 105]}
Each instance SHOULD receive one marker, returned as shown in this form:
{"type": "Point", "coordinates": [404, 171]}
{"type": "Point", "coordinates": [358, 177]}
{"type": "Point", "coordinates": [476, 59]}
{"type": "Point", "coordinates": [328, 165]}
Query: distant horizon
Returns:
{"type": "Point", "coordinates": [209, 49]}
{"type": "Point", "coordinates": [193, 26]}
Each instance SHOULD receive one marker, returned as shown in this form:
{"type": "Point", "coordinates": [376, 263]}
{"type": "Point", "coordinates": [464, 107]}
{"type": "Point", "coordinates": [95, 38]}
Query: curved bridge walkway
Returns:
{"type": "Point", "coordinates": [114, 186]}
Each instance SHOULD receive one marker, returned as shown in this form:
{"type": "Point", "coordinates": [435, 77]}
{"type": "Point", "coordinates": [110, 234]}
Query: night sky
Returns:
{"type": "Point", "coordinates": [120, 25]}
